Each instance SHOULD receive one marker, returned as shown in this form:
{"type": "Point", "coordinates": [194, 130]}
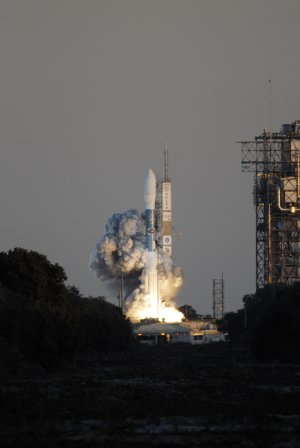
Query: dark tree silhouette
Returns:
{"type": "Point", "coordinates": [269, 323]}
{"type": "Point", "coordinates": [188, 311]}
{"type": "Point", "coordinates": [48, 322]}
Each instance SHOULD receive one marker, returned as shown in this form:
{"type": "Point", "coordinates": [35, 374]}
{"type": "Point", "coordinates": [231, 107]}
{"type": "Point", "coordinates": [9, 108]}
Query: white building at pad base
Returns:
{"type": "Point", "coordinates": [162, 333]}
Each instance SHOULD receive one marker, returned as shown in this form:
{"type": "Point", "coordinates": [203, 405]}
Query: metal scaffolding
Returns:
{"type": "Point", "coordinates": [218, 298]}
{"type": "Point", "coordinates": [274, 158]}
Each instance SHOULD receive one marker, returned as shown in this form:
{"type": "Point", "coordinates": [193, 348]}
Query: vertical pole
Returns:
{"type": "Point", "coordinates": [214, 299]}
{"type": "Point", "coordinates": [121, 292]}
{"type": "Point", "coordinates": [166, 161]}
{"type": "Point", "coordinates": [270, 261]}
{"type": "Point", "coordinates": [158, 302]}
{"type": "Point", "coordinates": [270, 105]}
{"type": "Point", "coordinates": [297, 176]}
{"type": "Point", "coordinates": [223, 294]}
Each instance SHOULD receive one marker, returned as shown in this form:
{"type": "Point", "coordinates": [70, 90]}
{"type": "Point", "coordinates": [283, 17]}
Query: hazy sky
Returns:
{"type": "Point", "coordinates": [90, 92]}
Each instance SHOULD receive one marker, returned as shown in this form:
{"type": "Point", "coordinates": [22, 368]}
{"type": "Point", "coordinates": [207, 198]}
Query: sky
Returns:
{"type": "Point", "coordinates": [90, 92]}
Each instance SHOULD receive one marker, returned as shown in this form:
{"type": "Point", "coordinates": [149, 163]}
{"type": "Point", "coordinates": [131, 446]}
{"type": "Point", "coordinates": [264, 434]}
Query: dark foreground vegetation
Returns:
{"type": "Point", "coordinates": [269, 323]}
{"type": "Point", "coordinates": [170, 396]}
{"type": "Point", "coordinates": [71, 375]}
{"type": "Point", "coordinates": [44, 321]}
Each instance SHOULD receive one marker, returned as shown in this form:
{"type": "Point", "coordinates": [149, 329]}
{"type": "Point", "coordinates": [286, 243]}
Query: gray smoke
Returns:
{"type": "Point", "coordinates": [122, 251]}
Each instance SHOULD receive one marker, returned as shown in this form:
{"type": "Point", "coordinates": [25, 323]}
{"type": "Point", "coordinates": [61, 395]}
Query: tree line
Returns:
{"type": "Point", "coordinates": [45, 321]}
{"type": "Point", "coordinates": [269, 323]}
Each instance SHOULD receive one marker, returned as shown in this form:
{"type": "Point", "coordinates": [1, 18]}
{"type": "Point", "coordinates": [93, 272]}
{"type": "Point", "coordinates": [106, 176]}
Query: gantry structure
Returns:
{"type": "Point", "coordinates": [164, 210]}
{"type": "Point", "coordinates": [274, 158]}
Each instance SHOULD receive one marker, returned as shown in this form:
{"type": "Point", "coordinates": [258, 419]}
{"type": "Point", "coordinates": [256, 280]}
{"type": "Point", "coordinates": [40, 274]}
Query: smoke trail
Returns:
{"type": "Point", "coordinates": [122, 250]}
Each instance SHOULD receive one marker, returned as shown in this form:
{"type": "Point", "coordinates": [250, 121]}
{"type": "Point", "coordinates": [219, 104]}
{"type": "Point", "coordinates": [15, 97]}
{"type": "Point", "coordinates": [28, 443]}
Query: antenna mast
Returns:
{"type": "Point", "coordinates": [269, 124]}
{"type": "Point", "coordinates": [166, 162]}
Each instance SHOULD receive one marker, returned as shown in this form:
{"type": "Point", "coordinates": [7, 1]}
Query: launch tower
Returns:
{"type": "Point", "coordinates": [274, 158]}
{"type": "Point", "coordinates": [164, 210]}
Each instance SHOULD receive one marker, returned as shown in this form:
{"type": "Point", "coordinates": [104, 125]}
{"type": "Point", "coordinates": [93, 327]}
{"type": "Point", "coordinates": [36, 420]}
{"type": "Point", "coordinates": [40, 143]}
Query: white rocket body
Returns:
{"type": "Point", "coordinates": [150, 190]}
{"type": "Point", "coordinates": [150, 281]}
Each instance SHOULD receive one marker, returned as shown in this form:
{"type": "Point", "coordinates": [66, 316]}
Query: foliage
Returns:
{"type": "Point", "coordinates": [32, 275]}
{"type": "Point", "coordinates": [269, 323]}
{"type": "Point", "coordinates": [48, 322]}
{"type": "Point", "coordinates": [188, 311]}
{"type": "Point", "coordinates": [98, 325]}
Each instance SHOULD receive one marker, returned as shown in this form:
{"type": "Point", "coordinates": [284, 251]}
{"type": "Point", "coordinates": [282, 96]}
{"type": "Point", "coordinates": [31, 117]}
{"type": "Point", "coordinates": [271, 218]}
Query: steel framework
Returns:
{"type": "Point", "coordinates": [218, 298]}
{"type": "Point", "coordinates": [274, 158]}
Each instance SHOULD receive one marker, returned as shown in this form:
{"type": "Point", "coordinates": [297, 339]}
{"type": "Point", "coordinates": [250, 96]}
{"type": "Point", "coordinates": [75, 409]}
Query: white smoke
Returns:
{"type": "Point", "coordinates": [121, 251]}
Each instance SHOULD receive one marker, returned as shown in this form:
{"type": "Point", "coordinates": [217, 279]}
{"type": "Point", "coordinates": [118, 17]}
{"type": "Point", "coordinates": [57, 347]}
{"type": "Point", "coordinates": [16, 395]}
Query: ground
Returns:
{"type": "Point", "coordinates": [169, 396]}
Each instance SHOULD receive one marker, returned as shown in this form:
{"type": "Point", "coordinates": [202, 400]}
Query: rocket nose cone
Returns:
{"type": "Point", "coordinates": [150, 182]}
{"type": "Point", "coordinates": [150, 189]}
{"type": "Point", "coordinates": [151, 177]}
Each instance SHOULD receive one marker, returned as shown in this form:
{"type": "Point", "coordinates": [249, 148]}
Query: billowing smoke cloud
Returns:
{"type": "Point", "coordinates": [122, 250]}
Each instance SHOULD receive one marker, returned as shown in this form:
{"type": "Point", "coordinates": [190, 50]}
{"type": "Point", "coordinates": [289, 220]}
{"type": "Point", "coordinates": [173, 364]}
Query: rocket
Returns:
{"type": "Point", "coordinates": [149, 196]}
{"type": "Point", "coordinates": [151, 284]}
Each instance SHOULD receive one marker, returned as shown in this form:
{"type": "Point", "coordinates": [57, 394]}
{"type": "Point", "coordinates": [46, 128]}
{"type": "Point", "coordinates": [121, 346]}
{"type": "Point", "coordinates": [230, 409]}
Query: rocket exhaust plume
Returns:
{"type": "Point", "coordinates": [128, 249]}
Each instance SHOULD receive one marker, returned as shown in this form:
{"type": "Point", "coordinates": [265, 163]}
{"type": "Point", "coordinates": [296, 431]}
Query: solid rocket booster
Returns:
{"type": "Point", "coordinates": [151, 285]}
{"type": "Point", "coordinates": [149, 196]}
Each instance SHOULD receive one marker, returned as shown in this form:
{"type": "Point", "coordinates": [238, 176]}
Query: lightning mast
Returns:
{"type": "Point", "coordinates": [218, 298]}
{"type": "Point", "coordinates": [166, 163]}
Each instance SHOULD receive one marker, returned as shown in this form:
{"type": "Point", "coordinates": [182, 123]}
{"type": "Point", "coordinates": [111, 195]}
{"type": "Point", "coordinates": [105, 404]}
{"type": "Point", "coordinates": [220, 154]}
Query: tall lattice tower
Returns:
{"type": "Point", "coordinates": [274, 158]}
{"type": "Point", "coordinates": [218, 298]}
